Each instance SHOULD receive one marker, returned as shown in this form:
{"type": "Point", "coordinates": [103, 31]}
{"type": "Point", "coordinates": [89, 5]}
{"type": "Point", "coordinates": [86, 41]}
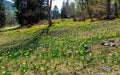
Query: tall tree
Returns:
{"type": "Point", "coordinates": [82, 9]}
{"type": "Point", "coordinates": [108, 5]}
{"type": "Point", "coordinates": [67, 7]}
{"type": "Point", "coordinates": [116, 8]}
{"type": "Point", "coordinates": [29, 11]}
{"type": "Point", "coordinates": [72, 9]}
{"type": "Point", "coordinates": [10, 17]}
{"type": "Point", "coordinates": [63, 11]}
{"type": "Point", "coordinates": [88, 10]}
{"type": "Point", "coordinates": [2, 14]}
{"type": "Point", "coordinates": [119, 5]}
{"type": "Point", "coordinates": [55, 12]}
{"type": "Point", "coordinates": [49, 5]}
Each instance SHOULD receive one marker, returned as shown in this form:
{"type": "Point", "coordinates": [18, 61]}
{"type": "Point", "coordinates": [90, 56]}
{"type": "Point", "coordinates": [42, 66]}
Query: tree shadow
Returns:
{"type": "Point", "coordinates": [28, 46]}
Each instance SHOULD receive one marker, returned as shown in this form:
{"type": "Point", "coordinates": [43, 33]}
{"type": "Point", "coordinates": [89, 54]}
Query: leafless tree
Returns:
{"type": "Point", "coordinates": [49, 5]}
{"type": "Point", "coordinates": [108, 4]}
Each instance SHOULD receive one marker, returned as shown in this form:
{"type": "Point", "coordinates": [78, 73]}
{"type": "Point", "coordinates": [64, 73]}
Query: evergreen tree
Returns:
{"type": "Point", "coordinates": [55, 12]}
{"type": "Point", "coordinates": [72, 9]}
{"type": "Point", "coordinates": [67, 7]}
{"type": "Point", "coordinates": [2, 13]}
{"type": "Point", "coordinates": [63, 11]}
{"type": "Point", "coordinates": [29, 11]}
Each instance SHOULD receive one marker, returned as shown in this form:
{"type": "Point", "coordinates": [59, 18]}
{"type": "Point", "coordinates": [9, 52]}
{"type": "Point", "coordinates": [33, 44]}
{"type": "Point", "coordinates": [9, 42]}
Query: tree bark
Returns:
{"type": "Point", "coordinates": [89, 12]}
{"type": "Point", "coordinates": [108, 4]}
{"type": "Point", "coordinates": [82, 16]}
{"type": "Point", "coordinates": [115, 9]}
{"type": "Point", "coordinates": [49, 4]}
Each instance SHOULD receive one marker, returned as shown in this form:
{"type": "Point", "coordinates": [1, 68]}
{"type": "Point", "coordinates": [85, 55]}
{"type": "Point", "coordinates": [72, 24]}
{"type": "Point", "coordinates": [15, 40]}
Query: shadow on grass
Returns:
{"type": "Point", "coordinates": [28, 46]}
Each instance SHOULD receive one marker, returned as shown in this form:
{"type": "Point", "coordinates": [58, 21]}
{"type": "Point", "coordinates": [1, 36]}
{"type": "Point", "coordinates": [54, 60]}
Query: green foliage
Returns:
{"type": "Point", "coordinates": [9, 12]}
{"type": "Point", "coordinates": [63, 11]}
{"type": "Point", "coordinates": [2, 13]}
{"type": "Point", "coordinates": [55, 11]}
{"type": "Point", "coordinates": [100, 9]}
{"type": "Point", "coordinates": [30, 12]}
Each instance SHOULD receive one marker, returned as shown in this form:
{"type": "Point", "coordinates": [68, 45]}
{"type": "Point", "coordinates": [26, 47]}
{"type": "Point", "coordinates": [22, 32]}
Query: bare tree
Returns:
{"type": "Point", "coordinates": [108, 4]}
{"type": "Point", "coordinates": [88, 10]}
{"type": "Point", "coordinates": [116, 9]}
{"type": "Point", "coordinates": [49, 5]}
{"type": "Point", "coordinates": [82, 9]}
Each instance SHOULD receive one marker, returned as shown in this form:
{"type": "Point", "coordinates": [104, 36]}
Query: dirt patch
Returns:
{"type": "Point", "coordinates": [58, 32]}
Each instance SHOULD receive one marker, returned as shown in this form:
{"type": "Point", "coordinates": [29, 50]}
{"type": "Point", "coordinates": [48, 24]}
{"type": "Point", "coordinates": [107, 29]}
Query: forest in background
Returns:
{"type": "Point", "coordinates": [31, 12]}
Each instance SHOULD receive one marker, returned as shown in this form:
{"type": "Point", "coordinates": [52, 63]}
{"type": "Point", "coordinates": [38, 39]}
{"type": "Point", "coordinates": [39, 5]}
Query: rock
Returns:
{"type": "Point", "coordinates": [106, 44]}
{"type": "Point", "coordinates": [86, 47]}
{"type": "Point", "coordinates": [111, 41]}
{"type": "Point", "coordinates": [69, 52]}
{"type": "Point", "coordinates": [106, 69]}
{"type": "Point", "coordinates": [112, 44]}
{"type": "Point", "coordinates": [102, 43]}
{"type": "Point", "coordinates": [110, 51]}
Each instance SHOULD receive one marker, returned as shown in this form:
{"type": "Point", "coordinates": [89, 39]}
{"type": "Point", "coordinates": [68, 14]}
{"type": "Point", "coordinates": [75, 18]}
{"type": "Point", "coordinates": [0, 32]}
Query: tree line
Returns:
{"type": "Point", "coordinates": [84, 9]}
{"type": "Point", "coordinates": [30, 12]}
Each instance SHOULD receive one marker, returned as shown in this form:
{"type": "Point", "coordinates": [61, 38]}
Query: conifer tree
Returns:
{"type": "Point", "coordinates": [2, 13]}
{"type": "Point", "coordinates": [29, 12]}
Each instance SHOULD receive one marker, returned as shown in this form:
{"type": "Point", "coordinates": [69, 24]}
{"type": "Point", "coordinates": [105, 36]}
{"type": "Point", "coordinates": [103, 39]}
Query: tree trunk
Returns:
{"type": "Point", "coordinates": [82, 15]}
{"type": "Point", "coordinates": [49, 18]}
{"type": "Point", "coordinates": [49, 4]}
{"type": "Point", "coordinates": [89, 12]}
{"type": "Point", "coordinates": [108, 4]}
{"type": "Point", "coordinates": [116, 9]}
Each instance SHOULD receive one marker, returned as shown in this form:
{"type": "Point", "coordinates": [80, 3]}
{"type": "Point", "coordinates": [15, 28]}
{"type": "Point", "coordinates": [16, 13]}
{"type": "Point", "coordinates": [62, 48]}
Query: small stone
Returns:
{"type": "Point", "coordinates": [106, 44]}
{"type": "Point", "coordinates": [110, 51]}
{"type": "Point", "coordinates": [106, 69]}
{"type": "Point", "coordinates": [70, 52]}
{"type": "Point", "coordinates": [86, 47]}
{"type": "Point", "coordinates": [112, 44]}
{"type": "Point", "coordinates": [102, 43]}
{"type": "Point", "coordinates": [112, 41]}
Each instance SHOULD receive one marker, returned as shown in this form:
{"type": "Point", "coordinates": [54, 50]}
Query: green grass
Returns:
{"type": "Point", "coordinates": [60, 51]}
{"type": "Point", "coordinates": [9, 28]}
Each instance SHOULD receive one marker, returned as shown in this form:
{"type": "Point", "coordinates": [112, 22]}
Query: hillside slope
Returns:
{"type": "Point", "coordinates": [76, 48]}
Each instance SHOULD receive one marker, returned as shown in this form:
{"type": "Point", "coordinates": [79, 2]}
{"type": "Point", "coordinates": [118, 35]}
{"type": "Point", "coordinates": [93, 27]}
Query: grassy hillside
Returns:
{"type": "Point", "coordinates": [65, 48]}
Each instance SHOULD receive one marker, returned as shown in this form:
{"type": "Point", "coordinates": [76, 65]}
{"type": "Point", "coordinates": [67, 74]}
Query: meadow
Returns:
{"type": "Point", "coordinates": [66, 48]}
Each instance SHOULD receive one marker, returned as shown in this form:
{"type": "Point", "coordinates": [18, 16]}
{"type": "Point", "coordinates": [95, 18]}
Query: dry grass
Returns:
{"type": "Point", "coordinates": [61, 51]}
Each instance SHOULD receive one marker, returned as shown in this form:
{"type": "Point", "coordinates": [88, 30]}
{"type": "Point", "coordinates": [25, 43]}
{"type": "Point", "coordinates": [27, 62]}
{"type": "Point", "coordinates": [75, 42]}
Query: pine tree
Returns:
{"type": "Point", "coordinates": [55, 12]}
{"type": "Point", "coordinates": [2, 14]}
{"type": "Point", "coordinates": [29, 12]}
{"type": "Point", "coordinates": [63, 11]}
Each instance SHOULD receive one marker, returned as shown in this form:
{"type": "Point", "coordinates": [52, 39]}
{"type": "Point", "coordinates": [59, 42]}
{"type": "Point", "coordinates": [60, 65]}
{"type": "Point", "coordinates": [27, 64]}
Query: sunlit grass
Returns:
{"type": "Point", "coordinates": [9, 28]}
{"type": "Point", "coordinates": [61, 50]}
